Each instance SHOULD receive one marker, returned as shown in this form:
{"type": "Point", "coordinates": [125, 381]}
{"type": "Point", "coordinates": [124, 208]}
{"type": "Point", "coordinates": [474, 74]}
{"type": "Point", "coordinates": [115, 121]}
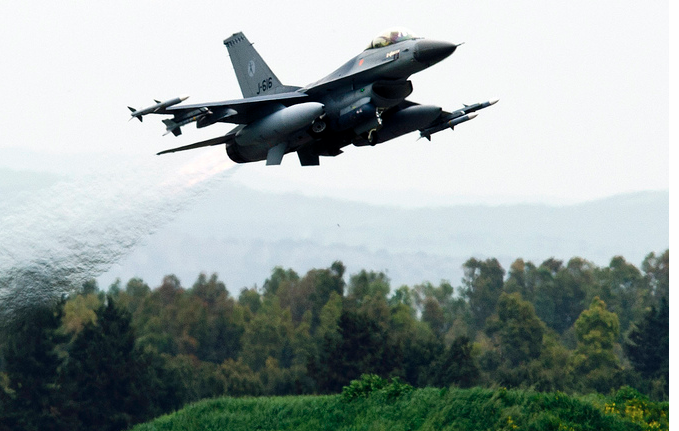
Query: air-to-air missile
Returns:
{"type": "Point", "coordinates": [456, 117]}
{"type": "Point", "coordinates": [174, 125]}
{"type": "Point", "coordinates": [139, 113]}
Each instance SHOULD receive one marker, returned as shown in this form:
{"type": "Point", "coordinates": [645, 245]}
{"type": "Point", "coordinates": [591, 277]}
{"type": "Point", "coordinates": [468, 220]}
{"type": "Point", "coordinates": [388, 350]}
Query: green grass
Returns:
{"type": "Point", "coordinates": [421, 409]}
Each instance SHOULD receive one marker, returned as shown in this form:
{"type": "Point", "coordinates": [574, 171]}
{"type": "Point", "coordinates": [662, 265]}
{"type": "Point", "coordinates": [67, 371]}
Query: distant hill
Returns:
{"type": "Point", "coordinates": [242, 234]}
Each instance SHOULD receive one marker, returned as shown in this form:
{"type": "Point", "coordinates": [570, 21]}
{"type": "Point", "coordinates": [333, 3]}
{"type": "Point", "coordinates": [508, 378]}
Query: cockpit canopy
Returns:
{"type": "Point", "coordinates": [390, 37]}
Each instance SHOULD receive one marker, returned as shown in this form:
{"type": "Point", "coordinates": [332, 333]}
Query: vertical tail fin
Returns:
{"type": "Point", "coordinates": [254, 76]}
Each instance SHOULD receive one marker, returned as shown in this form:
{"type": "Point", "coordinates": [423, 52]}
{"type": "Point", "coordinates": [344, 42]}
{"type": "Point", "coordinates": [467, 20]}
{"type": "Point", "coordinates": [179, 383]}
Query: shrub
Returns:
{"type": "Point", "coordinates": [369, 384]}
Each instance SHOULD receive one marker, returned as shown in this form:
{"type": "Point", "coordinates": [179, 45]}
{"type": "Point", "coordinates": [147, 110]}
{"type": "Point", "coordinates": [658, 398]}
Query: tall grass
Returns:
{"type": "Point", "coordinates": [421, 409]}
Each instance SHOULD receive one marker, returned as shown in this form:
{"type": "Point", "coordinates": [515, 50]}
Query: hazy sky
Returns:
{"type": "Point", "coordinates": [583, 89]}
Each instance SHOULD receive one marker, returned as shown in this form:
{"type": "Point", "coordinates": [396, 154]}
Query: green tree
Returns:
{"type": "Point", "coordinates": [367, 295]}
{"type": "Point", "coordinates": [360, 346]}
{"type": "Point", "coordinates": [483, 283]}
{"type": "Point", "coordinates": [560, 292]}
{"type": "Point", "coordinates": [329, 317]}
{"type": "Point", "coordinates": [522, 279]}
{"type": "Point", "coordinates": [594, 361]}
{"type": "Point", "coordinates": [278, 276]}
{"type": "Point", "coordinates": [215, 322]}
{"type": "Point", "coordinates": [311, 292]}
{"type": "Point", "coordinates": [413, 339]}
{"type": "Point", "coordinates": [136, 291]}
{"type": "Point", "coordinates": [440, 308]}
{"type": "Point", "coordinates": [240, 379]}
{"type": "Point", "coordinates": [551, 372]}
{"type": "Point", "coordinates": [251, 299]}
{"type": "Point", "coordinates": [418, 349]}
{"type": "Point", "coordinates": [622, 287]}
{"type": "Point", "coordinates": [657, 273]}
{"type": "Point", "coordinates": [456, 365]}
{"type": "Point", "coordinates": [520, 330]}
{"type": "Point", "coordinates": [34, 401]}
{"type": "Point", "coordinates": [199, 379]}
{"type": "Point", "coordinates": [432, 315]}
{"type": "Point", "coordinates": [518, 338]}
{"type": "Point", "coordinates": [648, 345]}
{"type": "Point", "coordinates": [268, 334]}
{"type": "Point", "coordinates": [326, 282]}
{"type": "Point", "coordinates": [365, 286]}
{"type": "Point", "coordinates": [110, 384]}
{"type": "Point", "coordinates": [79, 311]}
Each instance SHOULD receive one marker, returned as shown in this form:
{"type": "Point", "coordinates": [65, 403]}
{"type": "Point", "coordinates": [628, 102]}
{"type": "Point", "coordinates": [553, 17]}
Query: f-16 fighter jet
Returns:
{"type": "Point", "coordinates": [364, 102]}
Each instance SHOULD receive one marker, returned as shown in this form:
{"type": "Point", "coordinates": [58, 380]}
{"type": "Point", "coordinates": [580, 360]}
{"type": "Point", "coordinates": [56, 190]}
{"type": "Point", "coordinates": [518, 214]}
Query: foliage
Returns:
{"type": "Point", "coordinates": [595, 360]}
{"type": "Point", "coordinates": [371, 384]}
{"type": "Point", "coordinates": [547, 327]}
{"type": "Point", "coordinates": [30, 399]}
{"type": "Point", "coordinates": [420, 409]}
{"type": "Point", "coordinates": [360, 346]}
{"type": "Point", "coordinates": [649, 341]}
{"type": "Point", "coordinates": [628, 403]}
{"type": "Point", "coordinates": [648, 347]}
{"type": "Point", "coordinates": [110, 384]}
{"type": "Point", "coordinates": [483, 283]}
{"type": "Point", "coordinates": [455, 366]}
{"type": "Point", "coordinates": [517, 335]}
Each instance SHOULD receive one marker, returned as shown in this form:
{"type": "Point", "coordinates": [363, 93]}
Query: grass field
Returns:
{"type": "Point", "coordinates": [422, 409]}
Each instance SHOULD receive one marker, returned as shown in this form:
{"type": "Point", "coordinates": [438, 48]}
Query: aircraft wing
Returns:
{"type": "Point", "coordinates": [237, 111]}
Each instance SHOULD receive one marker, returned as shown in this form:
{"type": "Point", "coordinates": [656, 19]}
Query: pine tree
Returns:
{"type": "Point", "coordinates": [648, 343]}
{"type": "Point", "coordinates": [111, 385]}
{"type": "Point", "coordinates": [31, 364]}
{"type": "Point", "coordinates": [456, 365]}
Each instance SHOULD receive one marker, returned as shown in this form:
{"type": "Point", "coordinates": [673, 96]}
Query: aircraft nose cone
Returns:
{"type": "Point", "coordinates": [433, 51]}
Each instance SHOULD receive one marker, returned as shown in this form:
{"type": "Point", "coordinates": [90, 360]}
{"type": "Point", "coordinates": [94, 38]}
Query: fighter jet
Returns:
{"type": "Point", "coordinates": [364, 102]}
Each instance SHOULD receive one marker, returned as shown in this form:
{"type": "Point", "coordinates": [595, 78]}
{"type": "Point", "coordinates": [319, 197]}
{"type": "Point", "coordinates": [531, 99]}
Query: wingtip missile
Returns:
{"type": "Point", "coordinates": [139, 113]}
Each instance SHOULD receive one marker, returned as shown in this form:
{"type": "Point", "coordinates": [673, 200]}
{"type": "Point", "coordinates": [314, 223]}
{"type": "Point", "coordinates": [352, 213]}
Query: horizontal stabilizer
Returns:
{"type": "Point", "coordinates": [208, 143]}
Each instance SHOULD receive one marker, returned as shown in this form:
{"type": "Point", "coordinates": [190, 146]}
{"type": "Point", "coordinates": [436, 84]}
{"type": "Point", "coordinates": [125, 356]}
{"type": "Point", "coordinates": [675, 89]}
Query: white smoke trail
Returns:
{"type": "Point", "coordinates": [59, 238]}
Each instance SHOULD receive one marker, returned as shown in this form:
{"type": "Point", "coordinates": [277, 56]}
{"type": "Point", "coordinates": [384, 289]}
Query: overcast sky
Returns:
{"type": "Point", "coordinates": [583, 89]}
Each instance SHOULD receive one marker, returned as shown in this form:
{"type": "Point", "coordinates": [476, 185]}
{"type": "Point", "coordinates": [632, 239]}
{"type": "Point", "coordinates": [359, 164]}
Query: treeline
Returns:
{"type": "Point", "coordinates": [112, 359]}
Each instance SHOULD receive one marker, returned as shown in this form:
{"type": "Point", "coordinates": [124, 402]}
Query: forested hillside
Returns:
{"type": "Point", "coordinates": [109, 359]}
